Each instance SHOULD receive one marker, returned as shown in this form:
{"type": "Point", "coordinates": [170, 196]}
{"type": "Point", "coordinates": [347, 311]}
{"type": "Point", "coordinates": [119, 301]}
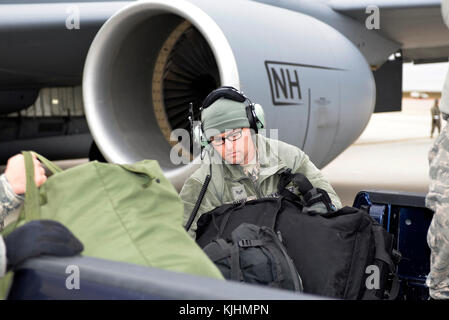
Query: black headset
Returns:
{"type": "Point", "coordinates": [232, 93]}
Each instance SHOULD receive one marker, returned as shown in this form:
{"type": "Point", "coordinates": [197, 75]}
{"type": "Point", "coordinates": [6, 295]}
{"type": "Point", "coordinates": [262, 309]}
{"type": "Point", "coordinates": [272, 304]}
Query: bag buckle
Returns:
{"type": "Point", "coordinates": [245, 243]}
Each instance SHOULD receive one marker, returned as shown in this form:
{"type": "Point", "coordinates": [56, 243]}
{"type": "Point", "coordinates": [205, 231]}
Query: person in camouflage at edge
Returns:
{"type": "Point", "coordinates": [13, 185]}
{"type": "Point", "coordinates": [437, 199]}
{"type": "Point", "coordinates": [33, 238]}
{"type": "Point", "coordinates": [12, 188]}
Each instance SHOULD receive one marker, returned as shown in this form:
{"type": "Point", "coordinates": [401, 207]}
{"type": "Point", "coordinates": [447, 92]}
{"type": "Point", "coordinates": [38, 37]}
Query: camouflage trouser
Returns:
{"type": "Point", "coordinates": [438, 200]}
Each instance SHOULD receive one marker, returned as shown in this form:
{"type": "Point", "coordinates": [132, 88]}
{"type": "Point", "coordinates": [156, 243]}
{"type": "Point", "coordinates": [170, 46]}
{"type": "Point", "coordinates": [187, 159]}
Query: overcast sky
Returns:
{"type": "Point", "coordinates": [424, 77]}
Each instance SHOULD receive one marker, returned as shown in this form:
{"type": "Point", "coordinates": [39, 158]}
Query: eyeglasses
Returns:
{"type": "Point", "coordinates": [233, 136]}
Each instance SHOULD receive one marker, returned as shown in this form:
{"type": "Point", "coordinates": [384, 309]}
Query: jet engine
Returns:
{"type": "Point", "coordinates": [151, 59]}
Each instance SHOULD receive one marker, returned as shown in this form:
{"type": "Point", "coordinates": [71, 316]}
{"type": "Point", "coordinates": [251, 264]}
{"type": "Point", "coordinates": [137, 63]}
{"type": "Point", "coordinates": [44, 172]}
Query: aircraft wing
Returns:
{"type": "Point", "coordinates": [38, 49]}
{"type": "Point", "coordinates": [424, 40]}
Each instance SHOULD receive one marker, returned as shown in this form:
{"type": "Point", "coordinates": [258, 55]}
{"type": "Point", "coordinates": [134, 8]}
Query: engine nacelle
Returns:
{"type": "Point", "coordinates": [152, 58]}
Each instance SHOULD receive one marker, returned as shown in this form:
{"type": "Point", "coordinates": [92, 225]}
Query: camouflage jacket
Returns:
{"type": "Point", "coordinates": [437, 199]}
{"type": "Point", "coordinates": [9, 202]}
{"type": "Point", "coordinates": [229, 183]}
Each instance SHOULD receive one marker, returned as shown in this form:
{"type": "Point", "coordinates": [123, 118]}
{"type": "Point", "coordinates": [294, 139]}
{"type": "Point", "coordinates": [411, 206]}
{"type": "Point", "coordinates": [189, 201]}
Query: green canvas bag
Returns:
{"type": "Point", "coordinates": [127, 213]}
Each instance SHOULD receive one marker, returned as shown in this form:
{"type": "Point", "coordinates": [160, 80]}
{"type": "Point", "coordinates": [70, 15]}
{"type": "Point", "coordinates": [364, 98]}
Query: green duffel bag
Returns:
{"type": "Point", "coordinates": [127, 213]}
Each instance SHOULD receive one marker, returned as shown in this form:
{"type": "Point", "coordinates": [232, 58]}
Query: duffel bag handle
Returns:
{"type": "Point", "coordinates": [50, 165]}
{"type": "Point", "coordinates": [299, 180]}
{"type": "Point", "coordinates": [31, 210]}
{"type": "Point", "coordinates": [31, 207]}
{"type": "Point", "coordinates": [310, 195]}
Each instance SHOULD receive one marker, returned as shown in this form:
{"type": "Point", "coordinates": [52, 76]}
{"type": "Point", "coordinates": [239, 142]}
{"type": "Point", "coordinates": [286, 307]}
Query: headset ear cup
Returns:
{"type": "Point", "coordinates": [260, 116]}
{"type": "Point", "coordinates": [251, 117]}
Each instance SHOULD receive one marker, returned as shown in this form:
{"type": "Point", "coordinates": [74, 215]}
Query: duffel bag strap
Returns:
{"type": "Point", "coordinates": [247, 243]}
{"type": "Point", "coordinates": [381, 247]}
{"type": "Point", "coordinates": [317, 195]}
{"type": "Point", "coordinates": [31, 210]}
{"type": "Point", "coordinates": [221, 254]}
{"type": "Point", "coordinates": [383, 255]}
{"type": "Point", "coordinates": [310, 194]}
{"type": "Point", "coordinates": [236, 273]}
{"type": "Point", "coordinates": [50, 165]}
{"type": "Point", "coordinates": [394, 290]}
{"type": "Point", "coordinates": [234, 252]}
{"type": "Point", "coordinates": [224, 222]}
{"type": "Point", "coordinates": [277, 257]}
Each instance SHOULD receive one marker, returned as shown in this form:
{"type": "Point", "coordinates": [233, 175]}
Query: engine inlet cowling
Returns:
{"type": "Point", "coordinates": [145, 65]}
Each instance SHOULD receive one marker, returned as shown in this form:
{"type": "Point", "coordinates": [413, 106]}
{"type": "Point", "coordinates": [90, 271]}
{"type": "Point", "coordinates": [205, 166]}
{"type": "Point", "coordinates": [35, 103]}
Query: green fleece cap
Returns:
{"type": "Point", "coordinates": [222, 115]}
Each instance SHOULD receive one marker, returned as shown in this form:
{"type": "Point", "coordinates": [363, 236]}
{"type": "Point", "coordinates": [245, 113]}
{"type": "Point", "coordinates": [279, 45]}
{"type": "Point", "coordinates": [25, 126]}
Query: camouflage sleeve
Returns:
{"type": "Point", "coordinates": [437, 199]}
{"type": "Point", "coordinates": [2, 257]}
{"type": "Point", "coordinates": [9, 201]}
{"type": "Point", "coordinates": [189, 195]}
{"type": "Point", "coordinates": [317, 179]}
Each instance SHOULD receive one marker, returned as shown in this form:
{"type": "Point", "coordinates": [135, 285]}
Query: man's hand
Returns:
{"type": "Point", "coordinates": [15, 173]}
{"type": "Point", "coordinates": [40, 237]}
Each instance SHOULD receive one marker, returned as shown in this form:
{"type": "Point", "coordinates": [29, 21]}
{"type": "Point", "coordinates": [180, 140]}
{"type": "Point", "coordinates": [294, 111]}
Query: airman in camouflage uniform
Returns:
{"type": "Point", "coordinates": [438, 199]}
{"type": "Point", "coordinates": [245, 166]}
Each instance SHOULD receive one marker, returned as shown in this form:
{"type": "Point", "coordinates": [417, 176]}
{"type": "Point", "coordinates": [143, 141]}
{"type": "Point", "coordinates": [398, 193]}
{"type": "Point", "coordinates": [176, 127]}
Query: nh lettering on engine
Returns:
{"type": "Point", "coordinates": [284, 83]}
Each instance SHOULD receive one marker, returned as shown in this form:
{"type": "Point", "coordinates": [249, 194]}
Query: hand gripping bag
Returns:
{"type": "Point", "coordinates": [128, 213]}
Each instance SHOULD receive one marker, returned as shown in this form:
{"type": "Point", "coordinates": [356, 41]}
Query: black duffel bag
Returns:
{"type": "Point", "coordinates": [334, 252]}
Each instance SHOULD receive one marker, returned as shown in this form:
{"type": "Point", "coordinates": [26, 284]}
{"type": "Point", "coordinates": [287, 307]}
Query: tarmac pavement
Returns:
{"type": "Point", "coordinates": [391, 154]}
